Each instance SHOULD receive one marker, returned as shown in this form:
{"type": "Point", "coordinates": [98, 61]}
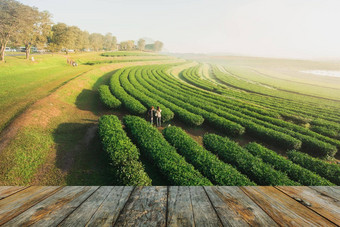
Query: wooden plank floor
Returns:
{"type": "Point", "coordinates": [169, 206]}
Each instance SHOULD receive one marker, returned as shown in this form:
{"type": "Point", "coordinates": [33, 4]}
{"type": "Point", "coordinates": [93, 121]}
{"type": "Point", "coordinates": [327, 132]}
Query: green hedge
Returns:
{"type": "Point", "coordinates": [258, 171]}
{"type": "Point", "coordinates": [323, 168]}
{"type": "Point", "coordinates": [167, 114]}
{"type": "Point", "coordinates": [130, 103]}
{"type": "Point", "coordinates": [124, 156]}
{"type": "Point", "coordinates": [162, 154]}
{"type": "Point", "coordinates": [220, 118]}
{"type": "Point", "coordinates": [107, 98]}
{"type": "Point", "coordinates": [269, 129]}
{"type": "Point", "coordinates": [228, 127]}
{"type": "Point", "coordinates": [323, 130]}
{"type": "Point", "coordinates": [207, 163]}
{"type": "Point", "coordinates": [182, 114]}
{"type": "Point", "coordinates": [294, 171]}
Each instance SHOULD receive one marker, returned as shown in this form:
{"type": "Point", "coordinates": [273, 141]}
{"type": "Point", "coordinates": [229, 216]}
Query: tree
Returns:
{"type": "Point", "coordinates": [96, 41]}
{"type": "Point", "coordinates": [158, 45]}
{"type": "Point", "coordinates": [36, 30]}
{"type": "Point", "coordinates": [62, 38]}
{"type": "Point", "coordinates": [83, 41]}
{"type": "Point", "coordinates": [110, 42]}
{"type": "Point", "coordinates": [127, 45]}
{"type": "Point", "coordinates": [12, 18]}
{"type": "Point", "coordinates": [141, 44]}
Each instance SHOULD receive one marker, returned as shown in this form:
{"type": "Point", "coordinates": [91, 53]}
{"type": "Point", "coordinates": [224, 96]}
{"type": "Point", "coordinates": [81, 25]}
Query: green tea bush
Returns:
{"type": "Point", "coordinates": [218, 172]}
{"type": "Point", "coordinates": [172, 165]}
{"type": "Point", "coordinates": [124, 155]}
{"type": "Point", "coordinates": [294, 171]}
{"type": "Point", "coordinates": [258, 171]}
{"type": "Point", "coordinates": [107, 98]}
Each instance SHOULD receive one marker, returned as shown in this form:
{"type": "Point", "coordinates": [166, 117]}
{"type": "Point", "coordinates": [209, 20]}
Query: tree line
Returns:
{"type": "Point", "coordinates": [24, 25]}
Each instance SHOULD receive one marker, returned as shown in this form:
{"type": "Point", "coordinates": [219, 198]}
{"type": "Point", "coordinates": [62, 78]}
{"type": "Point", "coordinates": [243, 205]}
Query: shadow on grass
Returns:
{"type": "Point", "coordinates": [88, 99]}
{"type": "Point", "coordinates": [79, 154]}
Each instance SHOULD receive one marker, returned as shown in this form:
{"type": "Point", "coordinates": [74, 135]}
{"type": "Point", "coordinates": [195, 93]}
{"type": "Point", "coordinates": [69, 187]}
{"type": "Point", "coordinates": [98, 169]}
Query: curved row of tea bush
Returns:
{"type": "Point", "coordinates": [190, 78]}
{"type": "Point", "coordinates": [237, 105]}
{"type": "Point", "coordinates": [151, 142]}
{"type": "Point", "coordinates": [323, 168]}
{"type": "Point", "coordinates": [130, 103]}
{"type": "Point", "coordinates": [214, 120]}
{"type": "Point", "coordinates": [107, 98]}
{"type": "Point", "coordinates": [182, 114]}
{"type": "Point", "coordinates": [167, 114]}
{"type": "Point", "coordinates": [326, 131]}
{"type": "Point", "coordinates": [233, 79]}
{"type": "Point", "coordinates": [207, 163]}
{"type": "Point", "coordinates": [258, 171]}
{"type": "Point", "coordinates": [294, 171]}
{"type": "Point", "coordinates": [122, 61]}
{"type": "Point", "coordinates": [301, 108]}
{"type": "Point", "coordinates": [124, 155]}
{"type": "Point", "coordinates": [265, 134]}
{"type": "Point", "coordinates": [309, 143]}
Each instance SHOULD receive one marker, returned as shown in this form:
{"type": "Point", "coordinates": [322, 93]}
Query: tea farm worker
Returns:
{"type": "Point", "coordinates": [151, 114]}
{"type": "Point", "coordinates": [158, 116]}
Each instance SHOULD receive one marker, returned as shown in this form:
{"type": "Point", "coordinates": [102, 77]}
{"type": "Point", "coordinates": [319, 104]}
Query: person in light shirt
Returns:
{"type": "Point", "coordinates": [158, 117]}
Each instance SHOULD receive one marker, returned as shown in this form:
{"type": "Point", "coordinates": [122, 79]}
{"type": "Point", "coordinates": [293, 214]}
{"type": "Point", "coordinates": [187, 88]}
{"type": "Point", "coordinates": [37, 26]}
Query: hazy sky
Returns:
{"type": "Point", "coordinates": [278, 28]}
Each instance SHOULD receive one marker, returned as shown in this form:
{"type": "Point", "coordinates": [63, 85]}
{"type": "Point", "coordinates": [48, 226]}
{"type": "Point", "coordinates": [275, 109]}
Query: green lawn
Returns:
{"type": "Point", "coordinates": [23, 82]}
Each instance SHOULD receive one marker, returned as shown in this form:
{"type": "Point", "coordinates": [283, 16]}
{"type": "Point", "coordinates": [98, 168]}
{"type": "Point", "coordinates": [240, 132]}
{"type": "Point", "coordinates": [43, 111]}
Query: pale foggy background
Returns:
{"type": "Point", "coordinates": [270, 28]}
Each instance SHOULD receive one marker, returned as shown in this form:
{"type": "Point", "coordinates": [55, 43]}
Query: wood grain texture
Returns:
{"type": "Point", "coordinates": [204, 212]}
{"type": "Point", "coordinates": [235, 208]}
{"type": "Point", "coordinates": [14, 205]}
{"type": "Point", "coordinates": [6, 191]}
{"type": "Point", "coordinates": [320, 203]}
{"type": "Point", "coordinates": [172, 206]}
{"type": "Point", "coordinates": [180, 211]}
{"type": "Point", "coordinates": [110, 209]}
{"type": "Point", "coordinates": [145, 207]}
{"type": "Point", "coordinates": [283, 209]}
{"type": "Point", "coordinates": [333, 191]}
{"type": "Point", "coordinates": [54, 209]}
{"type": "Point", "coordinates": [86, 210]}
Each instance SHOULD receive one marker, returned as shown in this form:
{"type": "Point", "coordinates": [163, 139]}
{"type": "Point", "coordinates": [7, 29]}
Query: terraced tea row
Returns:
{"type": "Point", "coordinates": [223, 162]}
{"type": "Point", "coordinates": [152, 86]}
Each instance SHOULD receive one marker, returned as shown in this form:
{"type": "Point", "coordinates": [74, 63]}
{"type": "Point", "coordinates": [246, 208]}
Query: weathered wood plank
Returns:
{"type": "Point", "coordinates": [145, 207]}
{"type": "Point", "coordinates": [14, 205]}
{"type": "Point", "coordinates": [109, 210]}
{"type": "Point", "coordinates": [323, 205]}
{"type": "Point", "coordinates": [283, 209]}
{"type": "Point", "coordinates": [6, 191]}
{"type": "Point", "coordinates": [204, 212]}
{"type": "Point", "coordinates": [235, 208]}
{"type": "Point", "coordinates": [333, 191]}
{"type": "Point", "coordinates": [85, 211]}
{"type": "Point", "coordinates": [54, 209]}
{"type": "Point", "coordinates": [180, 212]}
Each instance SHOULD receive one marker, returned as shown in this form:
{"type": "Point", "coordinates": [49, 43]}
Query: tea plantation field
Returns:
{"type": "Point", "coordinates": [221, 124]}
